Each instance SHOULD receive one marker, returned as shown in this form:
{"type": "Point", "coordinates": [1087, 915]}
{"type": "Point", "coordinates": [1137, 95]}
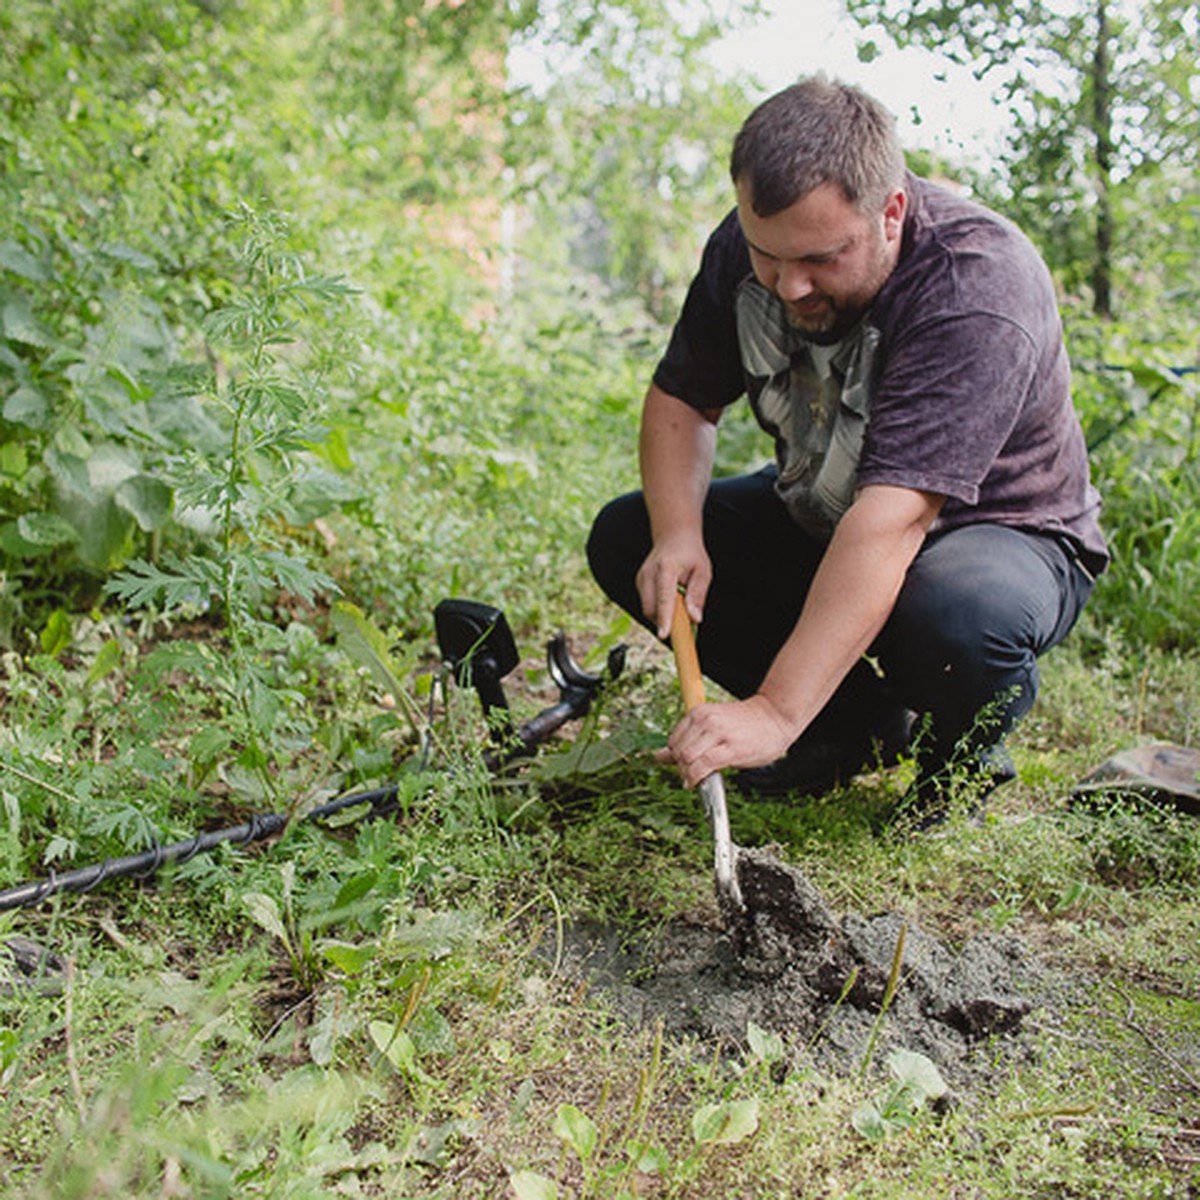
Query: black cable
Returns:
{"type": "Point", "coordinates": [256, 828]}
{"type": "Point", "coordinates": [576, 693]}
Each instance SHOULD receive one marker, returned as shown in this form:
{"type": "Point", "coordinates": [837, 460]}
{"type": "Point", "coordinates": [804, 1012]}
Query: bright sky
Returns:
{"type": "Point", "coordinates": [951, 114]}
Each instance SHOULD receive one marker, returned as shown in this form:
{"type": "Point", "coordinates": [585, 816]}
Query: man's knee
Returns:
{"type": "Point", "coordinates": [617, 545]}
{"type": "Point", "coordinates": [962, 645]}
{"type": "Point", "coordinates": [959, 650]}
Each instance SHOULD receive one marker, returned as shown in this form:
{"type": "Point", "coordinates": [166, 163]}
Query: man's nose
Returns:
{"type": "Point", "coordinates": [793, 282]}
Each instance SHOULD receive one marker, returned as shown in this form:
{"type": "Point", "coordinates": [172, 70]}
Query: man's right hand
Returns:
{"type": "Point", "coordinates": [674, 565]}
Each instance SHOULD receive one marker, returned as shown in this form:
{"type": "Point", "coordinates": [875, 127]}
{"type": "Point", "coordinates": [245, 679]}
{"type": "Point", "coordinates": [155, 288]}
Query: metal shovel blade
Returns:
{"type": "Point", "coordinates": [712, 793]}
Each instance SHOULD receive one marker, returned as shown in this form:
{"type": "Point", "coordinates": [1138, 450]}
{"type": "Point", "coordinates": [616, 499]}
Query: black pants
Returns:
{"type": "Point", "coordinates": [977, 608]}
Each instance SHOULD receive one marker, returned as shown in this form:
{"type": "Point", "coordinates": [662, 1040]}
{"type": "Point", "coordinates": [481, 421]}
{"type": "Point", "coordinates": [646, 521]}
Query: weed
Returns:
{"type": "Point", "coordinates": [269, 410]}
{"type": "Point", "coordinates": [889, 994]}
{"type": "Point", "coordinates": [916, 1082]}
{"type": "Point", "coordinates": [1134, 843]}
{"type": "Point", "coordinates": [611, 1169]}
{"type": "Point", "coordinates": [279, 919]}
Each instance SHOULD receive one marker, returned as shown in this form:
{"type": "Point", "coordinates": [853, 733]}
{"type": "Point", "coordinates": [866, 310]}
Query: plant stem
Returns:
{"type": "Point", "coordinates": [889, 994]}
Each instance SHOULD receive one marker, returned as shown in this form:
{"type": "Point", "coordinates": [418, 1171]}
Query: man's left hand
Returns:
{"type": "Point", "coordinates": [713, 737]}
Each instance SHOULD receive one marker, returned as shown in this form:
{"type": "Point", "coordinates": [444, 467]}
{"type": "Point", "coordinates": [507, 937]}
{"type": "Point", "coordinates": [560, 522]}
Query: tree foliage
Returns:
{"type": "Point", "coordinates": [1102, 151]}
{"type": "Point", "coordinates": [129, 132]}
{"type": "Point", "coordinates": [625, 141]}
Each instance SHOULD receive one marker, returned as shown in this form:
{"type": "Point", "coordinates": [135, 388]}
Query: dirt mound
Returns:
{"type": "Point", "coordinates": [789, 965]}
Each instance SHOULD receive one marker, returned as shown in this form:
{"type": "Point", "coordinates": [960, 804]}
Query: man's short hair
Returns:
{"type": "Point", "coordinates": [818, 131]}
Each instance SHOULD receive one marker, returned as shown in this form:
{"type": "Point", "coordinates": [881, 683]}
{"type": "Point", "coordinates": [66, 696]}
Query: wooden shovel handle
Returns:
{"type": "Point", "coordinates": [687, 663]}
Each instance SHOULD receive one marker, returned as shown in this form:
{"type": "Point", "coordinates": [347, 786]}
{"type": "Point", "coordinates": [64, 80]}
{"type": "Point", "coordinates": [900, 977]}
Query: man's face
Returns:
{"type": "Point", "coordinates": [822, 257]}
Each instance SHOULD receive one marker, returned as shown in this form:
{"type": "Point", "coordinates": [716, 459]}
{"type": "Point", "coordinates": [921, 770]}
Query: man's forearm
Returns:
{"type": "Point", "coordinates": [851, 598]}
{"type": "Point", "coordinates": [675, 451]}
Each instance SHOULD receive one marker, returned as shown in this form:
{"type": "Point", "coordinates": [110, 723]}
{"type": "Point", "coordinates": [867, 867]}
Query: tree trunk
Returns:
{"type": "Point", "coordinates": [1102, 120]}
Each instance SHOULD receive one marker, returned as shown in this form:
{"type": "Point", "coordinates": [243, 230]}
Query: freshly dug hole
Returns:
{"type": "Point", "coordinates": [789, 965]}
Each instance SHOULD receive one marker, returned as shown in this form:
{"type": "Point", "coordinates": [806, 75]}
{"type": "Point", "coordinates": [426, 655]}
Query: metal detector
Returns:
{"type": "Point", "coordinates": [477, 644]}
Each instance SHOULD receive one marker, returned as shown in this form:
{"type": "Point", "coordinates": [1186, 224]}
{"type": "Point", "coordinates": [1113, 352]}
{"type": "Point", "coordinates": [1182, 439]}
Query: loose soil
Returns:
{"type": "Point", "coordinates": [791, 966]}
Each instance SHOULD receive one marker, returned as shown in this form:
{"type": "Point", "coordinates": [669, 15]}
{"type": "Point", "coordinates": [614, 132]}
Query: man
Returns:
{"type": "Point", "coordinates": [928, 527]}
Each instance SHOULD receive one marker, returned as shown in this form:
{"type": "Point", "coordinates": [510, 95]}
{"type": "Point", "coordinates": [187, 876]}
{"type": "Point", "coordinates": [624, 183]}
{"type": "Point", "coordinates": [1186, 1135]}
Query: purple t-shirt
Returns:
{"type": "Point", "coordinates": [969, 390]}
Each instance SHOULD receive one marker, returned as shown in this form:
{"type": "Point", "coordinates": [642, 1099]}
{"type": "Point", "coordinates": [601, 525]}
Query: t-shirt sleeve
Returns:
{"type": "Point", "coordinates": [944, 407]}
{"type": "Point", "coordinates": [702, 365]}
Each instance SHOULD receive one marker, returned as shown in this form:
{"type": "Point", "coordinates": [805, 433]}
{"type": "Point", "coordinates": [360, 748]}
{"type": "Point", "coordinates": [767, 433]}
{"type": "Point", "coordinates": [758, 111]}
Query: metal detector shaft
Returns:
{"type": "Point", "coordinates": [257, 829]}
{"type": "Point", "coordinates": [463, 627]}
{"type": "Point", "coordinates": [265, 825]}
{"type": "Point", "coordinates": [538, 729]}
{"type": "Point", "coordinates": [84, 879]}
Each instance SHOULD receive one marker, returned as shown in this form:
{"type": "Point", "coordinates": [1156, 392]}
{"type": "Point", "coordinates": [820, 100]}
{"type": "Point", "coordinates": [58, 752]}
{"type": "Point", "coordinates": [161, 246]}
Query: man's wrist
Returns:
{"type": "Point", "coordinates": [790, 724]}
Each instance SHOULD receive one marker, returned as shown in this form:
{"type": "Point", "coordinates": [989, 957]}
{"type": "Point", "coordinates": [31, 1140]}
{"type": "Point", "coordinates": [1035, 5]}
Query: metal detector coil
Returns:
{"type": "Point", "coordinates": [477, 644]}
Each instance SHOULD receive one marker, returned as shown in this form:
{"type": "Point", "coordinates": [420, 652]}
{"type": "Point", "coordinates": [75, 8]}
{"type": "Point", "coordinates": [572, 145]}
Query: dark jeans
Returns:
{"type": "Point", "coordinates": [977, 608]}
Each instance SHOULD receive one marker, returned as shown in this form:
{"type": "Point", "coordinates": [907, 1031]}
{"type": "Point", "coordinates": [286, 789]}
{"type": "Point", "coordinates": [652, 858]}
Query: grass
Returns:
{"type": "Point", "coordinates": [423, 1031]}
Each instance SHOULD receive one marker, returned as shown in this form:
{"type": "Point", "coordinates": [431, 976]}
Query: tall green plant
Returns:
{"type": "Point", "coordinates": [267, 395]}
{"type": "Point", "coordinates": [1143, 423]}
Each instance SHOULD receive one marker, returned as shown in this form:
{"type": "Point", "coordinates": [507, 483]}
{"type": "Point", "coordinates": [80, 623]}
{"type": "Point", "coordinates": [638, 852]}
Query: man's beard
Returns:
{"type": "Point", "coordinates": [826, 324]}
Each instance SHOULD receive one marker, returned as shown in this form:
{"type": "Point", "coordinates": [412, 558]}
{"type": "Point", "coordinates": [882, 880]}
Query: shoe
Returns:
{"type": "Point", "coordinates": [820, 760]}
{"type": "Point", "coordinates": [935, 793]}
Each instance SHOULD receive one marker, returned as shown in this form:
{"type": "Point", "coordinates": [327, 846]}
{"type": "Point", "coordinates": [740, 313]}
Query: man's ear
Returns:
{"type": "Point", "coordinates": [893, 214]}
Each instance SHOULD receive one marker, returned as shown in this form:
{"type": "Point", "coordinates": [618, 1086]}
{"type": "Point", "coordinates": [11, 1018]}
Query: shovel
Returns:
{"type": "Point", "coordinates": [712, 789]}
